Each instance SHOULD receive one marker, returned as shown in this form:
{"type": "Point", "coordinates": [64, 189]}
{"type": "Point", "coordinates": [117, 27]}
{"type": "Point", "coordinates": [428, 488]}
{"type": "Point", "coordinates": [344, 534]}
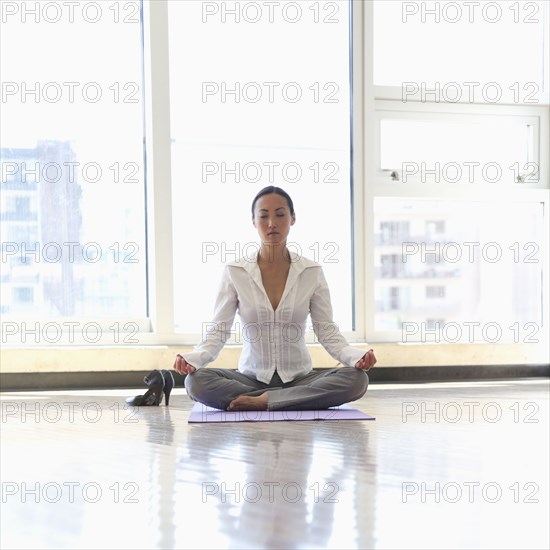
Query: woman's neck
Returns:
{"type": "Point", "coordinates": [274, 255]}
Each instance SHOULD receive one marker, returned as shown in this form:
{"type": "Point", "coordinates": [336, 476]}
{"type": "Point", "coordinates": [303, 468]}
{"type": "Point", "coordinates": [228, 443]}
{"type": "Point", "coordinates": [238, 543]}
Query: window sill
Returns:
{"type": "Point", "coordinates": [147, 358]}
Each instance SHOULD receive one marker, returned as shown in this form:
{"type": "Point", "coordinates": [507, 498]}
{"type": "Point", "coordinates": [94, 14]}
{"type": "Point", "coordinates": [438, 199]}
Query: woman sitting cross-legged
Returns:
{"type": "Point", "coordinates": [274, 293]}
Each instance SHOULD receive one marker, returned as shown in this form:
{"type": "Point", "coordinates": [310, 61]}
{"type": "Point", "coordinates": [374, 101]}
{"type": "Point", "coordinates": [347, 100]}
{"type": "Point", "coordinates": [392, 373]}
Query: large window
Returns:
{"type": "Point", "coordinates": [263, 100]}
{"type": "Point", "coordinates": [412, 136]}
{"type": "Point", "coordinates": [459, 174]}
{"type": "Point", "coordinates": [72, 177]}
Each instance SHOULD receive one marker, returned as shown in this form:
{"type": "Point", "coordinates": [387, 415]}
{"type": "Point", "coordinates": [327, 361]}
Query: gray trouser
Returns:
{"type": "Point", "coordinates": [315, 390]}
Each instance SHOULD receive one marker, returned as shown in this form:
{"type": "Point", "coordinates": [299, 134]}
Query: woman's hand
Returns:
{"type": "Point", "coordinates": [182, 366]}
{"type": "Point", "coordinates": [367, 361]}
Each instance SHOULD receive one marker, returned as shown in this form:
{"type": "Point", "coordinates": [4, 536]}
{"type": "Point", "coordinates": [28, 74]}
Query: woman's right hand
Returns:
{"type": "Point", "coordinates": [182, 366]}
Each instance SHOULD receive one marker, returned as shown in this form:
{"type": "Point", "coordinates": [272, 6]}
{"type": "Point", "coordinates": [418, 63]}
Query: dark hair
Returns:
{"type": "Point", "coordinates": [277, 190]}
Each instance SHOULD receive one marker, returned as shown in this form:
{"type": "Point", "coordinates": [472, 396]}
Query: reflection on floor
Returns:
{"type": "Point", "coordinates": [462, 465]}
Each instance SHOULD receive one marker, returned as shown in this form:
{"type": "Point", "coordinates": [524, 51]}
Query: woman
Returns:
{"type": "Point", "coordinates": [274, 293]}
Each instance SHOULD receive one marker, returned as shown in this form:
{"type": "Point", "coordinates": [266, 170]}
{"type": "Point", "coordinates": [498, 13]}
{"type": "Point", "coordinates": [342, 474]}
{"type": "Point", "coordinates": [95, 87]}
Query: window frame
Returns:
{"type": "Point", "coordinates": [378, 184]}
{"type": "Point", "coordinates": [159, 178]}
{"type": "Point", "coordinates": [367, 184]}
{"type": "Point", "coordinates": [533, 116]}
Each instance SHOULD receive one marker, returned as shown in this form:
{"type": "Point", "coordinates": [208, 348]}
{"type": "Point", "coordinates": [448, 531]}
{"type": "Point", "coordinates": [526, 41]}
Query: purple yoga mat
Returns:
{"type": "Point", "coordinates": [203, 414]}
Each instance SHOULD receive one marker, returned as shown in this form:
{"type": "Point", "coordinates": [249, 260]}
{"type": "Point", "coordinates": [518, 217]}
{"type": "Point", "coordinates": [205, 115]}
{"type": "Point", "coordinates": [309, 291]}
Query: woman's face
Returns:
{"type": "Point", "coordinates": [272, 219]}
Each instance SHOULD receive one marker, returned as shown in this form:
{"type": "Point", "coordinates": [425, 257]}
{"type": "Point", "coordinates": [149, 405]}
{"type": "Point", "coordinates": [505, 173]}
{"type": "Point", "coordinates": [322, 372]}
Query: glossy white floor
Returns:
{"type": "Point", "coordinates": [460, 465]}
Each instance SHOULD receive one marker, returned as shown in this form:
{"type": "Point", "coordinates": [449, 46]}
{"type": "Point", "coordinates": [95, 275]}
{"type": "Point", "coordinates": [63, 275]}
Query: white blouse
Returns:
{"type": "Point", "coordinates": [273, 339]}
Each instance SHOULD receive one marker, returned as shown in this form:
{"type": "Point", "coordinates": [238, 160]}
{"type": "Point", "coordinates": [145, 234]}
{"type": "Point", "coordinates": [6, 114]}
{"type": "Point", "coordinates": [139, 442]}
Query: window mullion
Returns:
{"type": "Point", "coordinates": [369, 133]}
{"type": "Point", "coordinates": [158, 151]}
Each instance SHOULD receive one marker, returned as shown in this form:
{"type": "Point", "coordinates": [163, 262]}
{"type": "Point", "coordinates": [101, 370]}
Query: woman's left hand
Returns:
{"type": "Point", "coordinates": [367, 361]}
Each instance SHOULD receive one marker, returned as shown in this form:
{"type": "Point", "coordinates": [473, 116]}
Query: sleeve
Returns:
{"type": "Point", "coordinates": [326, 330]}
{"type": "Point", "coordinates": [216, 332]}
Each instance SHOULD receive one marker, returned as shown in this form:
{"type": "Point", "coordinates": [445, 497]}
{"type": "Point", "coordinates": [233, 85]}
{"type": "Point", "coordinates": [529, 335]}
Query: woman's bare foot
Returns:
{"type": "Point", "coordinates": [248, 403]}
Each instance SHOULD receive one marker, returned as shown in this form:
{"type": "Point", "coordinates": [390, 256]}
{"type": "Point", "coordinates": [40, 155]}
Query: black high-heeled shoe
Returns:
{"type": "Point", "coordinates": [169, 384]}
{"type": "Point", "coordinates": [153, 396]}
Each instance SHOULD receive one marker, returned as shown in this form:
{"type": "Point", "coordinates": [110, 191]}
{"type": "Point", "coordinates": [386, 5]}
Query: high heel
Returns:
{"type": "Point", "coordinates": [169, 384]}
{"type": "Point", "coordinates": [153, 396]}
